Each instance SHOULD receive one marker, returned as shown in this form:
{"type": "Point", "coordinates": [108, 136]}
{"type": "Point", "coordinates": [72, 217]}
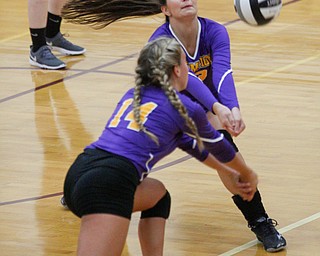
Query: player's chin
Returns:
{"type": "Point", "coordinates": [189, 12]}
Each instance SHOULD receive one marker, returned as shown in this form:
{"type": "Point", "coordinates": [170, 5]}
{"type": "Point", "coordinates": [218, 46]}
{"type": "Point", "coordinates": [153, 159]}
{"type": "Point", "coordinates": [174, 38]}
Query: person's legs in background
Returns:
{"type": "Point", "coordinates": [54, 37]}
{"type": "Point", "coordinates": [44, 23]}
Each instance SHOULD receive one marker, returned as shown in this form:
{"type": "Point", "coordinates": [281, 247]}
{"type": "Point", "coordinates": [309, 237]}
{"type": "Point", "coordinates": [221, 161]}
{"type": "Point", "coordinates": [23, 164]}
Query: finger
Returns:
{"type": "Point", "coordinates": [227, 118]}
{"type": "Point", "coordinates": [228, 121]}
{"type": "Point", "coordinates": [242, 127]}
{"type": "Point", "coordinates": [250, 196]}
{"type": "Point", "coordinates": [245, 196]}
{"type": "Point", "coordinates": [246, 189]}
{"type": "Point", "coordinates": [228, 126]}
{"type": "Point", "coordinates": [231, 120]}
{"type": "Point", "coordinates": [231, 131]}
{"type": "Point", "coordinates": [237, 126]}
{"type": "Point", "coordinates": [244, 184]}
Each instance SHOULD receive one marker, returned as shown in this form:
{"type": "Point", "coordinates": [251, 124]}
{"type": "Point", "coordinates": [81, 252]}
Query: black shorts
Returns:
{"type": "Point", "coordinates": [101, 182]}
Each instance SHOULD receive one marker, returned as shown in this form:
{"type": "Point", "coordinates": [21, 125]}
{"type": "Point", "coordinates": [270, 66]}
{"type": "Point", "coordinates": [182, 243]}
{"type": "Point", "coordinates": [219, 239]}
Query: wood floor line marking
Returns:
{"type": "Point", "coordinates": [280, 69]}
{"type": "Point", "coordinates": [160, 167]}
{"type": "Point", "coordinates": [282, 231]}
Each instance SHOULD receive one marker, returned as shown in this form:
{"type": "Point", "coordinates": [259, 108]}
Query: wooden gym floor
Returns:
{"type": "Point", "coordinates": [47, 117]}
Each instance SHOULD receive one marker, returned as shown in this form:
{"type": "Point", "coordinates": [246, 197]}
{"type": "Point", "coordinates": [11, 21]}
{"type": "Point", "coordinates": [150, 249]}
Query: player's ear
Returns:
{"type": "Point", "coordinates": [177, 70]}
{"type": "Point", "coordinates": [165, 10]}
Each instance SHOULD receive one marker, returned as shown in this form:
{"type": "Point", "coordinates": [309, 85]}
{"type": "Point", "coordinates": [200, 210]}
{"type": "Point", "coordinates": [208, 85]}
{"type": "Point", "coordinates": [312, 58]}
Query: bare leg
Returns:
{"type": "Point", "coordinates": [55, 6]}
{"type": "Point", "coordinates": [148, 193]}
{"type": "Point", "coordinates": [105, 234]}
{"type": "Point", "coordinates": [151, 236]}
{"type": "Point", "coordinates": [151, 230]}
{"type": "Point", "coordinates": [37, 13]}
{"type": "Point", "coordinates": [102, 234]}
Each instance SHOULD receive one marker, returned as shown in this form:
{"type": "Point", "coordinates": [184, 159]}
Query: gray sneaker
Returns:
{"type": "Point", "coordinates": [44, 58]}
{"type": "Point", "coordinates": [62, 45]}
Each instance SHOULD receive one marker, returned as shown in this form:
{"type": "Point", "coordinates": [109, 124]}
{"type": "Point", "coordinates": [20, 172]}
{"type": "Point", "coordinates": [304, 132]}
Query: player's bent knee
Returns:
{"type": "Point", "coordinates": [229, 138]}
{"type": "Point", "coordinates": [161, 209]}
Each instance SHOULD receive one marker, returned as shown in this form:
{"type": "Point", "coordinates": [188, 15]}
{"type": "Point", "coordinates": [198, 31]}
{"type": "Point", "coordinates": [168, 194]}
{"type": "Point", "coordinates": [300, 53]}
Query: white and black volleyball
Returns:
{"type": "Point", "coordinates": [257, 12]}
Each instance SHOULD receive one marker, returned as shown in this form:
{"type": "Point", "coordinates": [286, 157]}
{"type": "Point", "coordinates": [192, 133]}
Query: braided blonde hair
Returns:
{"type": "Point", "coordinates": [155, 67]}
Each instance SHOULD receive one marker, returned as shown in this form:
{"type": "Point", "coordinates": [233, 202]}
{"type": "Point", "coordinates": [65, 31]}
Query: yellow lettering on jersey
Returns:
{"type": "Point", "coordinates": [117, 118]}
{"type": "Point", "coordinates": [199, 67]}
{"type": "Point", "coordinates": [194, 66]}
{"type": "Point", "coordinates": [145, 110]}
{"type": "Point", "coordinates": [202, 74]}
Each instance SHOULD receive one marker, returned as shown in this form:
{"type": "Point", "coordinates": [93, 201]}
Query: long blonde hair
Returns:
{"type": "Point", "coordinates": [155, 67]}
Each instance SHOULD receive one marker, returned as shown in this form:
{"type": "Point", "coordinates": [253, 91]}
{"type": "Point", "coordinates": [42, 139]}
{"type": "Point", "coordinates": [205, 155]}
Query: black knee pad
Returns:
{"type": "Point", "coordinates": [229, 138]}
{"type": "Point", "coordinates": [161, 209]}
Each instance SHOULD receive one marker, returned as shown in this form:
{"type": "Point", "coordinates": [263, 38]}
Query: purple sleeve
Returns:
{"type": "Point", "coordinates": [189, 145]}
{"type": "Point", "coordinates": [163, 30]}
{"type": "Point", "coordinates": [221, 68]}
{"type": "Point", "coordinates": [214, 142]}
{"type": "Point", "coordinates": [200, 91]}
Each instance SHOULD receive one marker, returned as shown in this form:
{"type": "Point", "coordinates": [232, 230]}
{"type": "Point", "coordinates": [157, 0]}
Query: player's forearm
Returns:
{"type": "Point", "coordinates": [237, 164]}
{"type": "Point", "coordinates": [246, 173]}
{"type": "Point", "coordinates": [200, 92]}
{"type": "Point", "coordinates": [226, 90]}
{"type": "Point", "coordinates": [230, 178]}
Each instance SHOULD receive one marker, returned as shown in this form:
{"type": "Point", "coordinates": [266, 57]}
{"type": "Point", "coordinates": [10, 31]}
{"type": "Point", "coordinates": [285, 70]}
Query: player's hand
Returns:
{"type": "Point", "coordinates": [225, 116]}
{"type": "Point", "coordinates": [243, 182]}
{"type": "Point", "coordinates": [231, 179]}
{"type": "Point", "coordinates": [238, 123]}
{"type": "Point", "coordinates": [251, 180]}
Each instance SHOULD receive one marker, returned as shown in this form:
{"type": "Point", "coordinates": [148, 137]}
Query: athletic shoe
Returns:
{"type": "Point", "coordinates": [63, 202]}
{"type": "Point", "coordinates": [62, 45]}
{"type": "Point", "coordinates": [44, 58]}
{"type": "Point", "coordinates": [265, 230]}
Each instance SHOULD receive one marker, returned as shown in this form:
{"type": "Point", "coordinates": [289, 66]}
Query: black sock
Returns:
{"type": "Point", "coordinates": [53, 25]}
{"type": "Point", "coordinates": [38, 38]}
{"type": "Point", "coordinates": [251, 210]}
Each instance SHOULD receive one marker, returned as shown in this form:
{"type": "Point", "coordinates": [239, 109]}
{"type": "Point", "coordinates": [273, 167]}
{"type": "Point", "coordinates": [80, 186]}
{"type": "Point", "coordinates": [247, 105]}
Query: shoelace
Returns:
{"type": "Point", "coordinates": [63, 40]}
{"type": "Point", "coordinates": [268, 226]}
{"type": "Point", "coordinates": [46, 53]}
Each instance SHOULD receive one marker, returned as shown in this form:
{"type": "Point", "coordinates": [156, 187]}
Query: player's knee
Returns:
{"type": "Point", "coordinates": [161, 209]}
{"type": "Point", "coordinates": [158, 187]}
{"type": "Point", "coordinates": [229, 138]}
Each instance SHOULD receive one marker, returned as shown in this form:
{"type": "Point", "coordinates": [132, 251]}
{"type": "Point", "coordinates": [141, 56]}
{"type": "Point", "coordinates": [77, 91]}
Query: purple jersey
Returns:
{"type": "Point", "coordinates": [210, 62]}
{"type": "Point", "coordinates": [121, 135]}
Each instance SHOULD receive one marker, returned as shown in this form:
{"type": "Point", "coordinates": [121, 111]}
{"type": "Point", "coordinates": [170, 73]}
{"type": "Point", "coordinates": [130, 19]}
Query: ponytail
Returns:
{"type": "Point", "coordinates": [101, 13]}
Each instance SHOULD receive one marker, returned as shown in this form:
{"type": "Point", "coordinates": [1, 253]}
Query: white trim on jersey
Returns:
{"type": "Point", "coordinates": [197, 45]}
{"type": "Point", "coordinates": [193, 74]}
{"type": "Point", "coordinates": [222, 79]}
{"type": "Point", "coordinates": [147, 167]}
{"type": "Point", "coordinates": [220, 138]}
{"type": "Point", "coordinates": [194, 144]}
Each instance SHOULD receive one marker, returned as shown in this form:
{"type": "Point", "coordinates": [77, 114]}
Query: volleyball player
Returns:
{"type": "Point", "coordinates": [207, 47]}
{"type": "Point", "coordinates": [108, 181]}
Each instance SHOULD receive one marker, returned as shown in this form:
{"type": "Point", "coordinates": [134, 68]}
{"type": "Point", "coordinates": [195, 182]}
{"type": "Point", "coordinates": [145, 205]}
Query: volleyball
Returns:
{"type": "Point", "coordinates": [257, 12]}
